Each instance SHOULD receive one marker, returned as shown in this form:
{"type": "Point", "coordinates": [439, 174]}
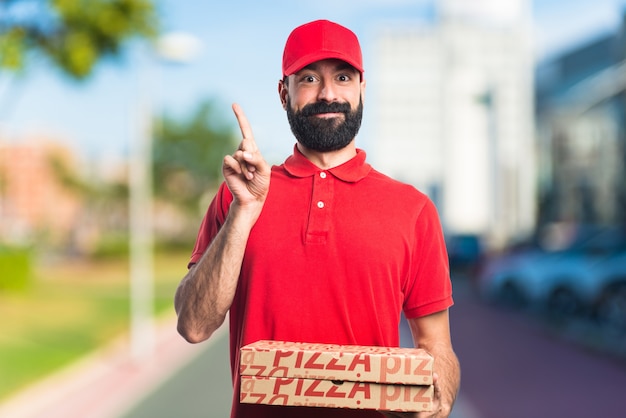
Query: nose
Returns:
{"type": "Point", "coordinates": [328, 91]}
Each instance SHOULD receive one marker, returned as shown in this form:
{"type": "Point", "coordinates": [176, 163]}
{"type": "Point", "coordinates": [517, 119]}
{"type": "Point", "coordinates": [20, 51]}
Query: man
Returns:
{"type": "Point", "coordinates": [322, 248]}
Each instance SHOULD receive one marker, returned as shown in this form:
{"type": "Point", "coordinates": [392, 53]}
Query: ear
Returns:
{"type": "Point", "coordinates": [283, 91]}
{"type": "Point", "coordinates": [363, 89]}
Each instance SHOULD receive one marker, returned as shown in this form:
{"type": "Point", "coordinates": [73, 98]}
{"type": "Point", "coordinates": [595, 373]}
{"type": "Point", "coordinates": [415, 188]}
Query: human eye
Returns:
{"type": "Point", "coordinates": [344, 78]}
{"type": "Point", "coordinates": [308, 78]}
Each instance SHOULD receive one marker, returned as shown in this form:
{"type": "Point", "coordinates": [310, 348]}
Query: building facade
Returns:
{"type": "Point", "coordinates": [454, 115]}
{"type": "Point", "coordinates": [581, 111]}
{"type": "Point", "coordinates": [34, 203]}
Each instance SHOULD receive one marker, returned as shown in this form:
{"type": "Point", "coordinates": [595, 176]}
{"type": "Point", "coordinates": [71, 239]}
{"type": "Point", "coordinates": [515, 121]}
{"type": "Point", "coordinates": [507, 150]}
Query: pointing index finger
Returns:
{"type": "Point", "coordinates": [244, 125]}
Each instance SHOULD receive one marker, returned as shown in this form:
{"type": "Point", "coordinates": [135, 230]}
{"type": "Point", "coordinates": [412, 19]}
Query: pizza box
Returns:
{"type": "Point", "coordinates": [335, 394]}
{"type": "Point", "coordinates": [337, 362]}
{"type": "Point", "coordinates": [343, 376]}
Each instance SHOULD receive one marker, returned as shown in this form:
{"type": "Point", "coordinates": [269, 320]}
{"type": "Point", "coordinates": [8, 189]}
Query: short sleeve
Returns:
{"type": "Point", "coordinates": [429, 289]}
{"type": "Point", "coordinates": [212, 222]}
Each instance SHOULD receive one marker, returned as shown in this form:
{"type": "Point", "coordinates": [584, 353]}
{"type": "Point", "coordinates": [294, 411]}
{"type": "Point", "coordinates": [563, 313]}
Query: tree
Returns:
{"type": "Point", "coordinates": [73, 34]}
{"type": "Point", "coordinates": [188, 153]}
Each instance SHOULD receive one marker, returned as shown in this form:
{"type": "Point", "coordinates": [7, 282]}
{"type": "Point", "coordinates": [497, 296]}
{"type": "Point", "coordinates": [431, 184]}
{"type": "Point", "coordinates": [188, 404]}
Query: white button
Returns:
{"type": "Point", "coordinates": [320, 204]}
{"type": "Point", "coordinates": [323, 175]}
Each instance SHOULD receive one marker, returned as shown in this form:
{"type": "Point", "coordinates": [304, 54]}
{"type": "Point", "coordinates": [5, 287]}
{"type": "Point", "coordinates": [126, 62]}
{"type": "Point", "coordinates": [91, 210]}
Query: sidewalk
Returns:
{"type": "Point", "coordinates": [107, 383]}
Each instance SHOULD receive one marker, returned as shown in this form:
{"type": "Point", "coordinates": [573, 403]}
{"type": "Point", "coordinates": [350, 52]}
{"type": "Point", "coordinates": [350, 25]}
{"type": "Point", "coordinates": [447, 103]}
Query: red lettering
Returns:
{"type": "Point", "coordinates": [387, 368]}
{"type": "Point", "coordinates": [280, 354]}
{"type": "Point", "coordinates": [276, 371]}
{"type": "Point", "coordinates": [332, 365]}
{"type": "Point", "coordinates": [274, 400]}
{"type": "Point", "coordinates": [421, 370]}
{"type": "Point", "coordinates": [247, 385]}
{"type": "Point", "coordinates": [389, 393]}
{"type": "Point", "coordinates": [299, 384]}
{"type": "Point", "coordinates": [361, 359]}
{"type": "Point", "coordinates": [299, 356]}
{"type": "Point", "coordinates": [419, 396]}
{"type": "Point", "coordinates": [311, 389]}
{"type": "Point", "coordinates": [360, 387]}
{"type": "Point", "coordinates": [280, 382]}
{"type": "Point", "coordinates": [334, 392]}
{"type": "Point", "coordinates": [259, 396]}
{"type": "Point", "coordinates": [259, 370]}
{"type": "Point", "coordinates": [311, 364]}
{"type": "Point", "coordinates": [247, 357]}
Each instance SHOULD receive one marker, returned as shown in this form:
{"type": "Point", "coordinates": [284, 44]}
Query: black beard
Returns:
{"type": "Point", "coordinates": [325, 134]}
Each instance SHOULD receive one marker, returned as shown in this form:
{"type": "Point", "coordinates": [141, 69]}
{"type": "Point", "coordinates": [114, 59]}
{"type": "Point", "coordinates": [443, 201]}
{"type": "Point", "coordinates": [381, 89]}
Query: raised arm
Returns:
{"type": "Point", "coordinates": [205, 294]}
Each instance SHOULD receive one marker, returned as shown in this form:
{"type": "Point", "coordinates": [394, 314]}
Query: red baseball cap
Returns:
{"type": "Point", "coordinates": [318, 40]}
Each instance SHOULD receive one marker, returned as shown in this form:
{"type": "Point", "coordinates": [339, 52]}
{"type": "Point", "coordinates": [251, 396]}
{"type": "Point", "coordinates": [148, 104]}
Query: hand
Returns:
{"type": "Point", "coordinates": [246, 172]}
{"type": "Point", "coordinates": [435, 413]}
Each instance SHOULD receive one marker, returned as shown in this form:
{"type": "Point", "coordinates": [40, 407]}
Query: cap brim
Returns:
{"type": "Point", "coordinates": [303, 61]}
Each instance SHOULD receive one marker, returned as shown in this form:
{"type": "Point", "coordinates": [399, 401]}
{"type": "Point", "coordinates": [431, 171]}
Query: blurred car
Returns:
{"type": "Point", "coordinates": [584, 273]}
{"type": "Point", "coordinates": [464, 252]}
{"type": "Point", "coordinates": [609, 308]}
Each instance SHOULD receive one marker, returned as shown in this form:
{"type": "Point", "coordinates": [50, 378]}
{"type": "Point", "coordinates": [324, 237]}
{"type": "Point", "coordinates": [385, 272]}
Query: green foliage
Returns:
{"type": "Point", "coordinates": [15, 268]}
{"type": "Point", "coordinates": [188, 155]}
{"type": "Point", "coordinates": [73, 34]}
{"type": "Point", "coordinates": [72, 309]}
{"type": "Point", "coordinates": [104, 203]}
{"type": "Point", "coordinates": [64, 172]}
{"type": "Point", "coordinates": [111, 245]}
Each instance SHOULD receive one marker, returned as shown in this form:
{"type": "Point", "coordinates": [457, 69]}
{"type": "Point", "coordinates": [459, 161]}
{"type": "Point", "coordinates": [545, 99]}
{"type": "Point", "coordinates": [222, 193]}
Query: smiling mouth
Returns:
{"type": "Point", "coordinates": [328, 115]}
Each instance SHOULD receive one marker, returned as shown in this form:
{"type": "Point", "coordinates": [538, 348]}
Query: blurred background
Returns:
{"type": "Point", "coordinates": [115, 116]}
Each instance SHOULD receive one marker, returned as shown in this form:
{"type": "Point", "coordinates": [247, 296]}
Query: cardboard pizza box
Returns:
{"type": "Point", "coordinates": [337, 362]}
{"type": "Point", "coordinates": [342, 376]}
{"type": "Point", "coordinates": [335, 394]}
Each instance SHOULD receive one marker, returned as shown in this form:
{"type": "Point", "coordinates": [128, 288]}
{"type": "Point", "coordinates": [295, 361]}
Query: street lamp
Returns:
{"type": "Point", "coordinates": [176, 47]}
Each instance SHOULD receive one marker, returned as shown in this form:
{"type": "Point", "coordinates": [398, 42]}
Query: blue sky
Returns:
{"type": "Point", "coordinates": [239, 62]}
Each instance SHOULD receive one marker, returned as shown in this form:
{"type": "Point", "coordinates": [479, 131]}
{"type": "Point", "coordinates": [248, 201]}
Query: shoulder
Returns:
{"type": "Point", "coordinates": [406, 198]}
{"type": "Point", "coordinates": [403, 191]}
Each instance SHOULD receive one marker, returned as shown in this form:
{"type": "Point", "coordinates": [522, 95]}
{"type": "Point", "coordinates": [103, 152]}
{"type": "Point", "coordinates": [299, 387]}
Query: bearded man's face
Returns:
{"type": "Point", "coordinates": [325, 134]}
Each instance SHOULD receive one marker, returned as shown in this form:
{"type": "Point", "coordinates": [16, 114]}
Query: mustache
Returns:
{"type": "Point", "coordinates": [322, 107]}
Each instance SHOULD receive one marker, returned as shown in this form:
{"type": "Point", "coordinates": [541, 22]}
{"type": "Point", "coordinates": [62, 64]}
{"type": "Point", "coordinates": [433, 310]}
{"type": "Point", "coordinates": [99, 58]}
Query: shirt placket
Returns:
{"type": "Point", "coordinates": [320, 210]}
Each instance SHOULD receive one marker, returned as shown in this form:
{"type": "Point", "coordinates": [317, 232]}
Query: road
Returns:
{"type": "Point", "coordinates": [510, 368]}
{"type": "Point", "coordinates": [514, 368]}
{"type": "Point", "coordinates": [201, 389]}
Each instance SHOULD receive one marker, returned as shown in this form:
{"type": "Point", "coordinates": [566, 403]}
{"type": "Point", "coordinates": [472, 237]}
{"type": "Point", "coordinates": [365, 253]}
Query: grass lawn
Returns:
{"type": "Point", "coordinates": [70, 310]}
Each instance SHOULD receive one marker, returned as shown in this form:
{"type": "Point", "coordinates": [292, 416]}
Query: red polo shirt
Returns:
{"type": "Point", "coordinates": [335, 257]}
